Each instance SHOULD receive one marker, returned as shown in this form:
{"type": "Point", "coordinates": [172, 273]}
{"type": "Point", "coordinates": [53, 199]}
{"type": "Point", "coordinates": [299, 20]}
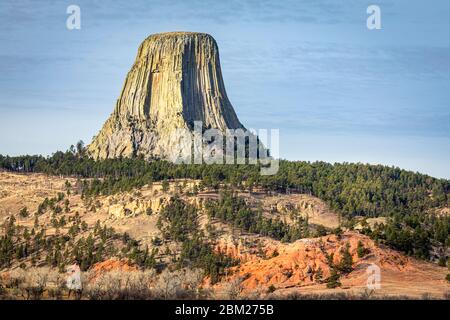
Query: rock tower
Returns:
{"type": "Point", "coordinates": [175, 80]}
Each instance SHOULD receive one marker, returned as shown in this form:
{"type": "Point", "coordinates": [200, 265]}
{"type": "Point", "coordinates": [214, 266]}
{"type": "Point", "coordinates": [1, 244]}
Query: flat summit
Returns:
{"type": "Point", "coordinates": [175, 80]}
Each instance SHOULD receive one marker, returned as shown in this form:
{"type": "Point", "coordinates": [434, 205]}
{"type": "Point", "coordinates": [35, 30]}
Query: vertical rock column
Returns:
{"type": "Point", "coordinates": [175, 80]}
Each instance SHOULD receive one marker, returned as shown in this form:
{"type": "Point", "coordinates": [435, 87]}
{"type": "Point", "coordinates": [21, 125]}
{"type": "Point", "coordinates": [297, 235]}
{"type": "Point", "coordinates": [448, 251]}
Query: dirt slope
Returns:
{"type": "Point", "coordinates": [295, 265]}
{"type": "Point", "coordinates": [290, 268]}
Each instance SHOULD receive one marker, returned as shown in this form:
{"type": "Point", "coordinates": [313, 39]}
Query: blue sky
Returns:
{"type": "Point", "coordinates": [336, 90]}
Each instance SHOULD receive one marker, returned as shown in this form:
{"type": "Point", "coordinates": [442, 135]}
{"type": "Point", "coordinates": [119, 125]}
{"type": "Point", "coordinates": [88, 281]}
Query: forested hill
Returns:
{"type": "Point", "coordinates": [351, 189]}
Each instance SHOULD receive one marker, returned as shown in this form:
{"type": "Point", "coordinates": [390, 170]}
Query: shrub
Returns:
{"type": "Point", "coordinates": [361, 250]}
{"type": "Point", "coordinates": [318, 276]}
{"type": "Point", "coordinates": [232, 289]}
{"type": "Point", "coordinates": [172, 285]}
{"type": "Point", "coordinates": [24, 212]}
{"type": "Point", "coordinates": [34, 283]}
{"type": "Point", "coordinates": [115, 285]}
{"type": "Point", "coordinates": [346, 263]}
{"type": "Point", "coordinates": [333, 280]}
{"type": "Point", "coordinates": [58, 285]}
{"type": "Point", "coordinates": [271, 289]}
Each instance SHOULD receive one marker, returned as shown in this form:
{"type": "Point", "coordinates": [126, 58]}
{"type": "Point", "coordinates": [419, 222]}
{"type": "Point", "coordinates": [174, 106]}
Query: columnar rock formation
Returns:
{"type": "Point", "coordinates": [175, 80]}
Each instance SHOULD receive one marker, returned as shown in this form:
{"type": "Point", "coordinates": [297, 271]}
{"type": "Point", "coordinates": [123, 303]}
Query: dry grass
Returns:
{"type": "Point", "coordinates": [366, 295]}
{"type": "Point", "coordinates": [44, 283]}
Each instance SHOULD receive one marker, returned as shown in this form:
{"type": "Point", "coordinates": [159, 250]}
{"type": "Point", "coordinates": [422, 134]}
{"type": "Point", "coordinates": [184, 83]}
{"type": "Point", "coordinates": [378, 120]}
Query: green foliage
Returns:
{"type": "Point", "coordinates": [349, 189]}
{"type": "Point", "coordinates": [179, 221]}
{"type": "Point", "coordinates": [195, 189]}
{"type": "Point", "coordinates": [233, 210]}
{"type": "Point", "coordinates": [53, 204]}
{"type": "Point", "coordinates": [7, 243]}
{"type": "Point", "coordinates": [336, 270]}
{"type": "Point", "coordinates": [361, 250]}
{"type": "Point", "coordinates": [318, 276]}
{"type": "Point", "coordinates": [165, 185]}
{"type": "Point", "coordinates": [66, 205]}
{"type": "Point", "coordinates": [271, 289]}
{"type": "Point", "coordinates": [333, 280]}
{"type": "Point", "coordinates": [179, 218]}
{"type": "Point", "coordinates": [346, 263]}
{"type": "Point", "coordinates": [196, 252]}
{"type": "Point", "coordinates": [321, 231]}
{"type": "Point", "coordinates": [338, 232]}
{"type": "Point", "coordinates": [24, 212]}
{"type": "Point", "coordinates": [18, 243]}
{"type": "Point", "coordinates": [414, 234]}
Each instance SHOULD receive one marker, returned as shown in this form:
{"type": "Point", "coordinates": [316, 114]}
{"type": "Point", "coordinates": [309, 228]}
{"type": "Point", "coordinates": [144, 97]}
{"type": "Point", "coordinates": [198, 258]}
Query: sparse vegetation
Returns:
{"type": "Point", "coordinates": [408, 200]}
{"type": "Point", "coordinates": [361, 250]}
{"type": "Point", "coordinates": [18, 243]}
{"type": "Point", "coordinates": [333, 280]}
{"type": "Point", "coordinates": [24, 212]}
{"type": "Point", "coordinates": [45, 283]}
{"type": "Point", "coordinates": [271, 289]}
{"type": "Point", "coordinates": [179, 221]}
{"type": "Point", "coordinates": [234, 211]}
{"type": "Point", "coordinates": [349, 189]}
{"type": "Point", "coordinates": [345, 266]}
{"type": "Point", "coordinates": [318, 276]}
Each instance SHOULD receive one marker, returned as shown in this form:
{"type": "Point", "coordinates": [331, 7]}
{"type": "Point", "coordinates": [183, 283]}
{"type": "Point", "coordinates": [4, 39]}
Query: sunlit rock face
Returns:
{"type": "Point", "coordinates": [175, 81]}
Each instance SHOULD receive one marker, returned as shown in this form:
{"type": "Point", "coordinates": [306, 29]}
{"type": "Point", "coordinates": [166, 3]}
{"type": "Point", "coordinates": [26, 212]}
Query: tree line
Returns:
{"type": "Point", "coordinates": [350, 189]}
{"type": "Point", "coordinates": [178, 221]}
{"type": "Point", "coordinates": [234, 211]}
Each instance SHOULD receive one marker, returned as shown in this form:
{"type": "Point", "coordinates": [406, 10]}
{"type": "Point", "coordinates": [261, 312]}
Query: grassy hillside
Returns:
{"type": "Point", "coordinates": [411, 200]}
{"type": "Point", "coordinates": [351, 189]}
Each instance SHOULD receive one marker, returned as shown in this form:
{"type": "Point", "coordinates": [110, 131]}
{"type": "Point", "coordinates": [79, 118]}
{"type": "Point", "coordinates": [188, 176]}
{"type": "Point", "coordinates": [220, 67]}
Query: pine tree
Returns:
{"type": "Point", "coordinates": [333, 279]}
{"type": "Point", "coordinates": [195, 189]}
{"type": "Point", "coordinates": [24, 212]}
{"type": "Point", "coordinates": [318, 276]}
{"type": "Point", "coordinates": [346, 263]}
{"type": "Point", "coordinates": [361, 250]}
{"type": "Point", "coordinates": [165, 185]}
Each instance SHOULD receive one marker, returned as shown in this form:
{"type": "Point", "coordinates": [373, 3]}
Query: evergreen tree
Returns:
{"type": "Point", "coordinates": [24, 212]}
{"type": "Point", "coordinates": [361, 250]}
{"type": "Point", "coordinates": [318, 276]}
{"type": "Point", "coordinates": [333, 280]}
{"type": "Point", "coordinates": [165, 186]}
{"type": "Point", "coordinates": [346, 263]}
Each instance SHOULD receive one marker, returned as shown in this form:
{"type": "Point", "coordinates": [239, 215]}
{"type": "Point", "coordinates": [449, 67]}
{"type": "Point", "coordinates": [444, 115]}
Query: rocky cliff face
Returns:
{"type": "Point", "coordinates": [175, 80]}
